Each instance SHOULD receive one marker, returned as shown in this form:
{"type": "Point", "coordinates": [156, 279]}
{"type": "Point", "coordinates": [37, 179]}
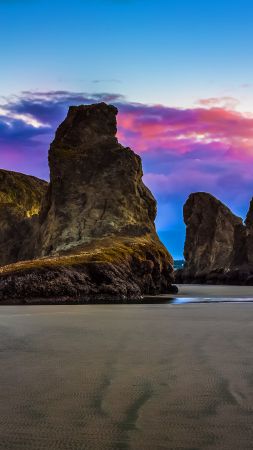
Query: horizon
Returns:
{"type": "Point", "coordinates": [180, 77]}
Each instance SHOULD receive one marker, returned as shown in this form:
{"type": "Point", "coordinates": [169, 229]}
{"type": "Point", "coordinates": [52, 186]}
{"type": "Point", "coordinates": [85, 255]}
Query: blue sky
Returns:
{"type": "Point", "coordinates": [172, 53]}
{"type": "Point", "coordinates": [169, 52]}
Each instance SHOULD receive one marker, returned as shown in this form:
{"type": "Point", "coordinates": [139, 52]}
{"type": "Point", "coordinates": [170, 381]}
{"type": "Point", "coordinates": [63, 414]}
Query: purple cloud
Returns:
{"type": "Point", "coordinates": [207, 148]}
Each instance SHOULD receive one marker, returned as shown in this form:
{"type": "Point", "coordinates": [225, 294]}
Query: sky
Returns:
{"type": "Point", "coordinates": [179, 71]}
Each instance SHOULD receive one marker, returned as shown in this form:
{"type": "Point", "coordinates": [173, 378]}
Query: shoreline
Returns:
{"type": "Point", "coordinates": [187, 293]}
{"type": "Point", "coordinates": [200, 293]}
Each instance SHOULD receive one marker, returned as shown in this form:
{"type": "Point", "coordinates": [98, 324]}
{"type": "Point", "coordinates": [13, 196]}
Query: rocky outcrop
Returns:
{"type": "Point", "coordinates": [210, 233]}
{"type": "Point", "coordinates": [96, 187]}
{"type": "Point", "coordinates": [218, 246]}
{"type": "Point", "coordinates": [95, 238]}
{"type": "Point", "coordinates": [119, 270]}
{"type": "Point", "coordinates": [249, 234]}
{"type": "Point", "coordinates": [20, 202]}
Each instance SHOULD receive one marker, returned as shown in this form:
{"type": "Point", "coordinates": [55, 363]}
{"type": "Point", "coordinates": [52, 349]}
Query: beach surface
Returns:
{"type": "Point", "coordinates": [127, 377]}
{"type": "Point", "coordinates": [204, 293]}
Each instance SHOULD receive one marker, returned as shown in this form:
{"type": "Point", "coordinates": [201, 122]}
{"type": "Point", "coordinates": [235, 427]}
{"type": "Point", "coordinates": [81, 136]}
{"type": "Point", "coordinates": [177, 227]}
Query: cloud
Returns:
{"type": "Point", "coordinates": [206, 148]}
{"type": "Point", "coordinates": [224, 102]}
{"type": "Point", "coordinates": [246, 85]}
{"type": "Point", "coordinates": [201, 140]}
{"type": "Point", "coordinates": [111, 80]}
{"type": "Point", "coordinates": [28, 123]}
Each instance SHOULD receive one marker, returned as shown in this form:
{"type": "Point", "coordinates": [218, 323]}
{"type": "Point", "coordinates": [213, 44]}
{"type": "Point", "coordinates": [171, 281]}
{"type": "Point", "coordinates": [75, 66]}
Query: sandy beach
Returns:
{"type": "Point", "coordinates": [204, 292]}
{"type": "Point", "coordinates": [140, 377]}
{"type": "Point", "coordinates": [214, 291]}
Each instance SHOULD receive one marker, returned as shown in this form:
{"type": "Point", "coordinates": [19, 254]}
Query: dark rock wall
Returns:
{"type": "Point", "coordinates": [96, 184]}
{"type": "Point", "coordinates": [20, 203]}
{"type": "Point", "coordinates": [218, 246]}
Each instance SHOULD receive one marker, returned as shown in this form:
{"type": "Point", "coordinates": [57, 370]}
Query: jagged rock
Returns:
{"type": "Point", "coordinates": [95, 238]}
{"type": "Point", "coordinates": [218, 246]}
{"type": "Point", "coordinates": [249, 233]}
{"type": "Point", "coordinates": [210, 233]}
{"type": "Point", "coordinates": [20, 200]}
{"type": "Point", "coordinates": [96, 185]}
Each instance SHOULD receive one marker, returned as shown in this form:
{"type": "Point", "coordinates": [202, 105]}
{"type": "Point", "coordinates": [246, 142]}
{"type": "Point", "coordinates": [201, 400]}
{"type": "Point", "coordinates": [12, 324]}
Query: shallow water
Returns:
{"type": "Point", "coordinates": [182, 300]}
{"type": "Point", "coordinates": [194, 293]}
{"type": "Point", "coordinates": [142, 377]}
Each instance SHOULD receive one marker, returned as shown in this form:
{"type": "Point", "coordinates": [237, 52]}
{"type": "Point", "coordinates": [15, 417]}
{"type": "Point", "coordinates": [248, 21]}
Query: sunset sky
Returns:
{"type": "Point", "coordinates": [180, 73]}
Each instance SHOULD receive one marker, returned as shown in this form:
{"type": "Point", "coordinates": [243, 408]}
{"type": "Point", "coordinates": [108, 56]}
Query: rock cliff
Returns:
{"type": "Point", "coordinates": [20, 201]}
{"type": "Point", "coordinates": [96, 187]}
{"type": "Point", "coordinates": [249, 234]}
{"type": "Point", "coordinates": [95, 238]}
{"type": "Point", "coordinates": [218, 246]}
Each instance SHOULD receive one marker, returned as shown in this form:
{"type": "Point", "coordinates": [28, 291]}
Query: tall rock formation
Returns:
{"type": "Point", "coordinates": [218, 246]}
{"type": "Point", "coordinates": [95, 238]}
{"type": "Point", "coordinates": [210, 233]}
{"type": "Point", "coordinates": [96, 187]}
{"type": "Point", "coordinates": [249, 233]}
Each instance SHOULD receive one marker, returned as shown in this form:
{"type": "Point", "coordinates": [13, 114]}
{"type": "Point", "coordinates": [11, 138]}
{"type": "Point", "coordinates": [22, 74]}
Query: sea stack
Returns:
{"type": "Point", "coordinates": [96, 187]}
{"type": "Point", "coordinates": [94, 238]}
{"type": "Point", "coordinates": [218, 245]}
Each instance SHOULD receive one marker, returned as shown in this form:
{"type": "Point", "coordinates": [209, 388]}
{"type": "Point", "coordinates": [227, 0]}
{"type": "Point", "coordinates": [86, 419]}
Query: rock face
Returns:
{"type": "Point", "coordinates": [210, 233]}
{"type": "Point", "coordinates": [218, 246]}
{"type": "Point", "coordinates": [20, 200]}
{"type": "Point", "coordinates": [95, 238]}
{"type": "Point", "coordinates": [96, 185]}
{"type": "Point", "coordinates": [249, 234]}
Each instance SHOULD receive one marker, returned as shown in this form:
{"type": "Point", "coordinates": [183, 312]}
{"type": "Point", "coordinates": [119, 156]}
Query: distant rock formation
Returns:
{"type": "Point", "coordinates": [210, 233]}
{"type": "Point", "coordinates": [20, 200]}
{"type": "Point", "coordinates": [218, 246]}
{"type": "Point", "coordinates": [249, 234]}
{"type": "Point", "coordinates": [95, 238]}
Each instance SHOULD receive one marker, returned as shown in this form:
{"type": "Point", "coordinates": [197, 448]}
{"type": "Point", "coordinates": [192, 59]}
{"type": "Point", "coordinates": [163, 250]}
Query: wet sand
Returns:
{"type": "Point", "coordinates": [205, 292]}
{"type": "Point", "coordinates": [212, 291]}
{"type": "Point", "coordinates": [142, 377]}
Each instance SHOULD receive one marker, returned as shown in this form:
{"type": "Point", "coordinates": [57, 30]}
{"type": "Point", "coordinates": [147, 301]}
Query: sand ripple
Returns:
{"type": "Point", "coordinates": [126, 377]}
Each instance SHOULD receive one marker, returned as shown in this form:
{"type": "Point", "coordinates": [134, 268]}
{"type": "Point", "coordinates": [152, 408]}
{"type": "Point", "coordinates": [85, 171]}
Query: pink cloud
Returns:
{"type": "Point", "coordinates": [224, 102]}
{"type": "Point", "coordinates": [206, 148]}
{"type": "Point", "coordinates": [217, 130]}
